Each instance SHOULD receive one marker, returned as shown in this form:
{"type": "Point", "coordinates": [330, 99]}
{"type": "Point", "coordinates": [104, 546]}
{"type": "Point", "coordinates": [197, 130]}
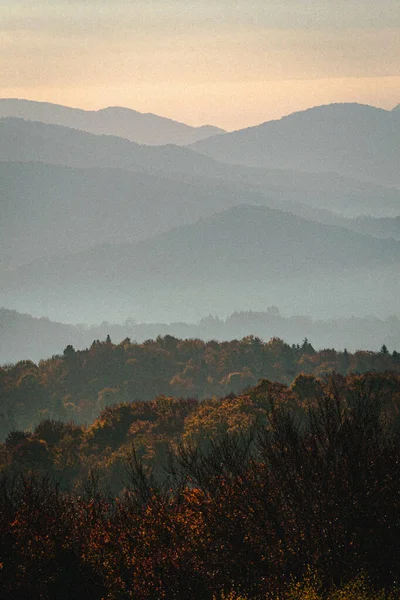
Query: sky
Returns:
{"type": "Point", "coordinates": [231, 63]}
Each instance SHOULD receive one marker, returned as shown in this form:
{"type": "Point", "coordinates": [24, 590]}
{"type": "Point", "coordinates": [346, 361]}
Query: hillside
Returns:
{"type": "Point", "coordinates": [244, 251]}
{"type": "Point", "coordinates": [383, 227]}
{"type": "Point", "coordinates": [27, 141]}
{"type": "Point", "coordinates": [177, 498]}
{"type": "Point", "coordinates": [142, 128]}
{"type": "Point", "coordinates": [50, 210]}
{"type": "Point", "coordinates": [351, 139]}
{"type": "Point", "coordinates": [23, 141]}
{"type": "Point", "coordinates": [240, 244]}
{"type": "Point", "coordinates": [80, 218]}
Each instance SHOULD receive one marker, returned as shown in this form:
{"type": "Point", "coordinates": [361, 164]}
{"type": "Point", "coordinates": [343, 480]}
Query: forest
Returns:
{"type": "Point", "coordinates": [77, 385]}
{"type": "Point", "coordinates": [279, 492]}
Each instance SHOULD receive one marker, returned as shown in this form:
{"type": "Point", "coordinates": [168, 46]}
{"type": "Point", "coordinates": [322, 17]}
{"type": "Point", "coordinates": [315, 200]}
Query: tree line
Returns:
{"type": "Point", "coordinates": [77, 385]}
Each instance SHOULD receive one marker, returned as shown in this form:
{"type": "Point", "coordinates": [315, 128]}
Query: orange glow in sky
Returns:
{"type": "Point", "coordinates": [231, 64]}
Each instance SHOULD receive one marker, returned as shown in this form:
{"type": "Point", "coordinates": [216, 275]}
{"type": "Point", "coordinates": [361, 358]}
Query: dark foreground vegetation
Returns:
{"type": "Point", "coordinates": [234, 497]}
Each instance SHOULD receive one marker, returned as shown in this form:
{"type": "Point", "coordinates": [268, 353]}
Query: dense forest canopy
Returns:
{"type": "Point", "coordinates": [277, 492]}
{"type": "Point", "coordinates": [76, 385]}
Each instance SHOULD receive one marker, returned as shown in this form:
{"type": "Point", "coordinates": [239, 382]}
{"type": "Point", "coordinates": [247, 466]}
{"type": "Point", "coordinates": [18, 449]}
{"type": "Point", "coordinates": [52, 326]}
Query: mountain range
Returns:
{"type": "Point", "coordinates": [351, 139]}
{"type": "Point", "coordinates": [142, 128]}
{"type": "Point", "coordinates": [100, 227]}
{"type": "Point", "coordinates": [52, 209]}
{"type": "Point", "coordinates": [26, 337]}
{"type": "Point", "coordinates": [243, 252]}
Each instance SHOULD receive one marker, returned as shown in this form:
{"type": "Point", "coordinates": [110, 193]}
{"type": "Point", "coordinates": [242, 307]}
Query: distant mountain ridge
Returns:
{"type": "Point", "coordinates": [228, 258]}
{"type": "Point", "coordinates": [239, 243]}
{"type": "Point", "coordinates": [30, 338]}
{"type": "Point", "coordinates": [142, 128]}
{"type": "Point", "coordinates": [351, 139]}
{"type": "Point", "coordinates": [28, 141]}
{"type": "Point", "coordinates": [79, 203]}
{"type": "Point", "coordinates": [52, 209]}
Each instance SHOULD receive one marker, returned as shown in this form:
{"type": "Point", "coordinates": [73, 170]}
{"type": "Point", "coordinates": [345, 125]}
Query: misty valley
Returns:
{"type": "Point", "coordinates": [199, 355]}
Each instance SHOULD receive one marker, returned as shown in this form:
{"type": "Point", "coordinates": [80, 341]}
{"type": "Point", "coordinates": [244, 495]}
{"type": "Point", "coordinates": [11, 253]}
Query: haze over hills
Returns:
{"type": "Point", "coordinates": [104, 201]}
{"type": "Point", "coordinates": [51, 209]}
{"type": "Point", "coordinates": [213, 410]}
{"type": "Point", "coordinates": [223, 260]}
{"type": "Point", "coordinates": [383, 227]}
{"type": "Point", "coordinates": [28, 141]}
{"type": "Point", "coordinates": [351, 139]}
{"type": "Point", "coordinates": [142, 128]}
{"type": "Point", "coordinates": [77, 204]}
{"type": "Point", "coordinates": [24, 141]}
{"type": "Point", "coordinates": [28, 338]}
{"type": "Point", "coordinates": [243, 243]}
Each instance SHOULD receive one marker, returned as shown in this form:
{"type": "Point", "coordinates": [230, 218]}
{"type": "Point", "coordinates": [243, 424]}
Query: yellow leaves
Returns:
{"type": "Point", "coordinates": [309, 589]}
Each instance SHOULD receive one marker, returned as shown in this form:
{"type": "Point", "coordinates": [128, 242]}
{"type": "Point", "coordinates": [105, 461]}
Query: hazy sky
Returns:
{"type": "Point", "coordinates": [230, 63]}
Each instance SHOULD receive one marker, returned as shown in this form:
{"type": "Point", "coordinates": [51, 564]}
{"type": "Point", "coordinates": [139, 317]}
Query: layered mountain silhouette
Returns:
{"type": "Point", "coordinates": [241, 243]}
{"type": "Point", "coordinates": [142, 128]}
{"type": "Point", "coordinates": [24, 141]}
{"type": "Point", "coordinates": [33, 141]}
{"type": "Point", "coordinates": [26, 337]}
{"type": "Point", "coordinates": [109, 201]}
{"type": "Point", "coordinates": [113, 228]}
{"type": "Point", "coordinates": [242, 249]}
{"type": "Point", "coordinates": [351, 139]}
{"type": "Point", "coordinates": [52, 209]}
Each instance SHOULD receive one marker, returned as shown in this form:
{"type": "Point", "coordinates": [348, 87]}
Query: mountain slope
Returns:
{"type": "Point", "coordinates": [228, 259]}
{"type": "Point", "coordinates": [350, 139]}
{"type": "Point", "coordinates": [51, 209]}
{"type": "Point", "coordinates": [142, 128]}
{"type": "Point", "coordinates": [243, 243]}
{"type": "Point", "coordinates": [383, 227]}
{"type": "Point", "coordinates": [25, 141]}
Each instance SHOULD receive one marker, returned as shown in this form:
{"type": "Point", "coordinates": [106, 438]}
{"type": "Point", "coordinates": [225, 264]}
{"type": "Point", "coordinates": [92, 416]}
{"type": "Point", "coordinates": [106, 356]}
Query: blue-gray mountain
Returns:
{"type": "Point", "coordinates": [351, 139]}
{"type": "Point", "coordinates": [48, 210]}
{"type": "Point", "coordinates": [220, 264]}
{"type": "Point", "coordinates": [142, 128]}
{"type": "Point", "coordinates": [92, 189]}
